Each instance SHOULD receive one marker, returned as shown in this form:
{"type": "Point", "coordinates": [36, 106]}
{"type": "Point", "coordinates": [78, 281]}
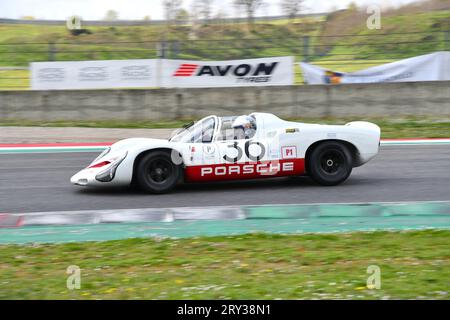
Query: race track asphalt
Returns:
{"type": "Point", "coordinates": [40, 182]}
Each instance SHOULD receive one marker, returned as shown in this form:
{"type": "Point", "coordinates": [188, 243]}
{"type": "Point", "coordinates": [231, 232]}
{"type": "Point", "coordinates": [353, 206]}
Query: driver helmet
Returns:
{"type": "Point", "coordinates": [245, 122]}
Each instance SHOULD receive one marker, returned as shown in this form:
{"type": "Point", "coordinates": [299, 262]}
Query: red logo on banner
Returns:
{"type": "Point", "coordinates": [185, 70]}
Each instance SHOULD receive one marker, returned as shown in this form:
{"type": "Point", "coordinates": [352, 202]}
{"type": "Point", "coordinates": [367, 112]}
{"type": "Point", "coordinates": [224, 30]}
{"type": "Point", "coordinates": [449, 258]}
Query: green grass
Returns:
{"type": "Point", "coordinates": [404, 36]}
{"type": "Point", "coordinates": [270, 38]}
{"type": "Point", "coordinates": [14, 50]}
{"type": "Point", "coordinates": [14, 79]}
{"type": "Point", "coordinates": [413, 265]}
{"type": "Point", "coordinates": [409, 127]}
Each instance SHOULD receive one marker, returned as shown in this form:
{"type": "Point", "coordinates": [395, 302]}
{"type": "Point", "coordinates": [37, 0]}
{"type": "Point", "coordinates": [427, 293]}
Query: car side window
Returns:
{"type": "Point", "coordinates": [227, 132]}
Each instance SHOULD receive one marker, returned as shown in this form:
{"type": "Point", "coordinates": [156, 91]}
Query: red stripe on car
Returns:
{"type": "Point", "coordinates": [100, 164]}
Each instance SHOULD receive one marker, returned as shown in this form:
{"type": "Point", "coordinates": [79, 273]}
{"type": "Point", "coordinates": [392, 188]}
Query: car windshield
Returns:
{"type": "Point", "coordinates": [200, 132]}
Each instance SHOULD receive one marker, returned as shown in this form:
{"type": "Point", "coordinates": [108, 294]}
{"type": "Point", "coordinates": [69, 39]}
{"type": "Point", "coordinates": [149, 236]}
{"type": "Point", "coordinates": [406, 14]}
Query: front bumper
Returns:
{"type": "Point", "coordinates": [86, 177]}
{"type": "Point", "coordinates": [94, 176]}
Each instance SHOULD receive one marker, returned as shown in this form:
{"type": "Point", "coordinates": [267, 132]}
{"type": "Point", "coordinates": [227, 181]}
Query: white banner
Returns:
{"type": "Point", "coordinates": [93, 74]}
{"type": "Point", "coordinates": [430, 67]}
{"type": "Point", "coordinates": [103, 74]}
{"type": "Point", "coordinates": [232, 73]}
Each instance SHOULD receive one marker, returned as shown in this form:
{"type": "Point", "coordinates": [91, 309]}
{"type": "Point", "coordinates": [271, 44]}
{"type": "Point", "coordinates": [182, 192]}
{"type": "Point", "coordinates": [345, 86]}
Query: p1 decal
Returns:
{"type": "Point", "coordinates": [249, 170]}
{"type": "Point", "coordinates": [289, 152]}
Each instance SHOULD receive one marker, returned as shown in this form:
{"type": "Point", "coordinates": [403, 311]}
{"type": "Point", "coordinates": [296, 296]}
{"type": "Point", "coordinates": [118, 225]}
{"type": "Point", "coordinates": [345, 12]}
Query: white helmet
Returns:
{"type": "Point", "coordinates": [245, 122]}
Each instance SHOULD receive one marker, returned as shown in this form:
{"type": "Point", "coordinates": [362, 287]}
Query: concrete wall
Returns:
{"type": "Point", "coordinates": [358, 100]}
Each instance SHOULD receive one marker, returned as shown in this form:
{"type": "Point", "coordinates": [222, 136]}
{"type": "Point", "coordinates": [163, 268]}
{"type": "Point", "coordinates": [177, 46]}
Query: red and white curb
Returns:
{"type": "Point", "coordinates": [53, 147]}
{"type": "Point", "coordinates": [431, 141]}
{"type": "Point", "coordinates": [424, 209]}
{"type": "Point", "coordinates": [99, 146]}
{"type": "Point", "coordinates": [84, 217]}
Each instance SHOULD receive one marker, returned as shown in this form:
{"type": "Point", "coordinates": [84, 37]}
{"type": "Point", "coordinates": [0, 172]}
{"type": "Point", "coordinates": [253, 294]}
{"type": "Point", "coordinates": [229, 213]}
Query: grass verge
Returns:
{"type": "Point", "coordinates": [414, 264]}
{"type": "Point", "coordinates": [390, 127]}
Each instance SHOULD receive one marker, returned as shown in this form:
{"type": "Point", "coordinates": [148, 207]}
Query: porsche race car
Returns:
{"type": "Point", "coordinates": [259, 145]}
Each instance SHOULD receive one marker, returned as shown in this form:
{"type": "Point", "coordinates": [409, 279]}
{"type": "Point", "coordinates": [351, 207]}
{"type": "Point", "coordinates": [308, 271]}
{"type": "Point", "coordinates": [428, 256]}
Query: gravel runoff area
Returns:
{"type": "Point", "coordinates": [68, 134]}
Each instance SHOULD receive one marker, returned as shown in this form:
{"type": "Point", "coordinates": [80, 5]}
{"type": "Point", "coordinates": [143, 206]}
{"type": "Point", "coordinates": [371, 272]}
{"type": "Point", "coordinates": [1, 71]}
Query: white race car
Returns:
{"type": "Point", "coordinates": [259, 145]}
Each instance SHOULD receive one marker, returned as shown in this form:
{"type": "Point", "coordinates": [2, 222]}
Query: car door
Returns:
{"type": "Point", "coordinates": [198, 145]}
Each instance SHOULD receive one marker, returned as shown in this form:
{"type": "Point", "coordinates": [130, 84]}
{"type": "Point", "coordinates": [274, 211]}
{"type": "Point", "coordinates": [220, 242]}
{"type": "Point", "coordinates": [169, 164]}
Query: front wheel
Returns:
{"type": "Point", "coordinates": [156, 172]}
{"type": "Point", "coordinates": [330, 163]}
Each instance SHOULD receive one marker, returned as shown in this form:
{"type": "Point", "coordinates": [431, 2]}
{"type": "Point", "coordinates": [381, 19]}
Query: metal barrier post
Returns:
{"type": "Point", "coordinates": [162, 48]}
{"type": "Point", "coordinates": [175, 49]}
{"type": "Point", "coordinates": [305, 48]}
{"type": "Point", "coordinates": [447, 40]}
{"type": "Point", "coordinates": [51, 51]}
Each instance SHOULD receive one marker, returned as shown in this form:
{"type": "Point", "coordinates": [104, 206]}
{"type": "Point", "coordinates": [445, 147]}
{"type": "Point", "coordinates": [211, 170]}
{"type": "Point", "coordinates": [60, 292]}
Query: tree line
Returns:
{"type": "Point", "coordinates": [202, 10]}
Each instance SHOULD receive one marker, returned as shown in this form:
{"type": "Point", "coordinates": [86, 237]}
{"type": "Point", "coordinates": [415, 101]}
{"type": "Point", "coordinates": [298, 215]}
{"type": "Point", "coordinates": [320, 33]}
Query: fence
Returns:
{"type": "Point", "coordinates": [336, 52]}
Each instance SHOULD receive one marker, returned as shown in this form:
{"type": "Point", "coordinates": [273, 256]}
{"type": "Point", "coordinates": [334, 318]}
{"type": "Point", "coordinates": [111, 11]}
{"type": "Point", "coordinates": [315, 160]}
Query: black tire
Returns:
{"type": "Point", "coordinates": [156, 172]}
{"type": "Point", "coordinates": [330, 163]}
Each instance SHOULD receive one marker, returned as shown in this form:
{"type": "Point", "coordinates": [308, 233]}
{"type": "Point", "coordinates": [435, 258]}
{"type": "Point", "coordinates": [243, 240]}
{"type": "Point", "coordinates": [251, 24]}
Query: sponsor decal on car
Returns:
{"type": "Point", "coordinates": [289, 152]}
{"type": "Point", "coordinates": [209, 149]}
{"type": "Point", "coordinates": [245, 170]}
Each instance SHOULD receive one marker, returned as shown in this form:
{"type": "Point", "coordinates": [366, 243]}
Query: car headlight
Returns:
{"type": "Point", "coordinates": [108, 174]}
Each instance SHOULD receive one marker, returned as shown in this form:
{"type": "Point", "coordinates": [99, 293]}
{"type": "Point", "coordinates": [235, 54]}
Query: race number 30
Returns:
{"type": "Point", "coordinates": [262, 152]}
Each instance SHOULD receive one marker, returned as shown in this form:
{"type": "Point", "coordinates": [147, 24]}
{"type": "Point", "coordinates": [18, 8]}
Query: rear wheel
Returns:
{"type": "Point", "coordinates": [156, 172]}
{"type": "Point", "coordinates": [330, 163]}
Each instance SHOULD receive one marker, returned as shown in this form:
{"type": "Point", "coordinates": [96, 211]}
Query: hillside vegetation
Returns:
{"type": "Point", "coordinates": [339, 41]}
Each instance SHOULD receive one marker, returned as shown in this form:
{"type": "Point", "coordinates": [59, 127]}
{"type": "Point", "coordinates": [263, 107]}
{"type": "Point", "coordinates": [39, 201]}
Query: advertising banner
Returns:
{"type": "Point", "coordinates": [430, 67]}
{"type": "Point", "coordinates": [164, 73]}
{"type": "Point", "coordinates": [93, 74]}
{"type": "Point", "coordinates": [272, 71]}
